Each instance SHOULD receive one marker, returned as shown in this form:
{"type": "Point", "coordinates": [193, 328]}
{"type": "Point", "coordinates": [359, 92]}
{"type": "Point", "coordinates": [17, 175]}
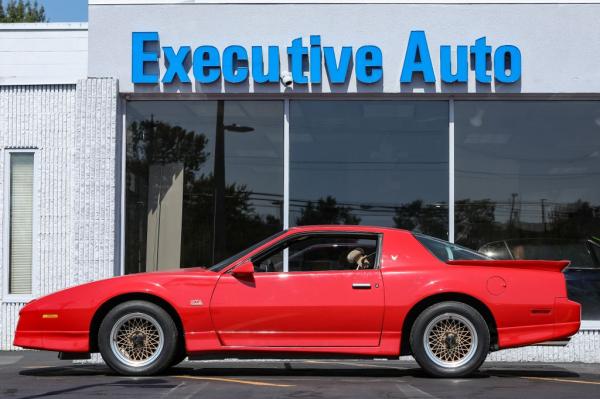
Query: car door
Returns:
{"type": "Point", "coordinates": [322, 301]}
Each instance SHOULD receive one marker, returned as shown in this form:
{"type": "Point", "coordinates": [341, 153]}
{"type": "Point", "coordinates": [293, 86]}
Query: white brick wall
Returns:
{"type": "Point", "coordinates": [94, 179]}
{"type": "Point", "coordinates": [584, 347]}
{"type": "Point", "coordinates": [74, 129]}
{"type": "Point", "coordinates": [42, 117]}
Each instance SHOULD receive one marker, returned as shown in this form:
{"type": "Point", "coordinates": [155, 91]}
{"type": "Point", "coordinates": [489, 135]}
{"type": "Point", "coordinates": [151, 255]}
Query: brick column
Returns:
{"type": "Point", "coordinates": [95, 176]}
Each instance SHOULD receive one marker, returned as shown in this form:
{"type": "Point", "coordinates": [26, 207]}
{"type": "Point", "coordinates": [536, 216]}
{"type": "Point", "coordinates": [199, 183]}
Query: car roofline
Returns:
{"type": "Point", "coordinates": [345, 228]}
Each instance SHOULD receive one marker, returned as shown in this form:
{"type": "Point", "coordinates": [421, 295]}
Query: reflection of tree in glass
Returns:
{"type": "Point", "coordinates": [326, 211]}
{"type": "Point", "coordinates": [431, 219]}
{"type": "Point", "coordinates": [243, 226]}
{"type": "Point", "coordinates": [474, 222]}
{"type": "Point", "coordinates": [153, 142]}
{"type": "Point", "coordinates": [575, 220]}
{"type": "Point", "coordinates": [149, 143]}
{"type": "Point", "coordinates": [156, 142]}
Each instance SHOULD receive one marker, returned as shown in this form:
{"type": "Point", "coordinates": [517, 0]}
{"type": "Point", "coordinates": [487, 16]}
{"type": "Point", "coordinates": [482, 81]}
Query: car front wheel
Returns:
{"type": "Point", "coordinates": [138, 338]}
{"type": "Point", "coordinates": [450, 339]}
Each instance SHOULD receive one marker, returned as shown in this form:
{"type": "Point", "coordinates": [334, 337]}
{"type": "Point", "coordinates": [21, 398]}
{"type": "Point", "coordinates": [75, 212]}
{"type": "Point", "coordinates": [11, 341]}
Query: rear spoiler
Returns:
{"type": "Point", "coordinates": [547, 265]}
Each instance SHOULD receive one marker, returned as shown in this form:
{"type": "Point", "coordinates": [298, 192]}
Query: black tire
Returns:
{"type": "Point", "coordinates": [180, 355]}
{"type": "Point", "coordinates": [159, 321]}
{"type": "Point", "coordinates": [450, 355]}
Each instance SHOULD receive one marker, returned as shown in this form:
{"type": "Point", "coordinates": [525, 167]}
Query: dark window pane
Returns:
{"type": "Point", "coordinates": [370, 162]}
{"type": "Point", "coordinates": [552, 249]}
{"type": "Point", "coordinates": [527, 175]}
{"type": "Point", "coordinates": [204, 180]}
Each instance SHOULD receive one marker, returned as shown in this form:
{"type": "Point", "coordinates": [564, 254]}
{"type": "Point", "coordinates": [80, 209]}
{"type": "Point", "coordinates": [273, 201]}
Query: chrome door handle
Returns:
{"type": "Point", "coordinates": [361, 286]}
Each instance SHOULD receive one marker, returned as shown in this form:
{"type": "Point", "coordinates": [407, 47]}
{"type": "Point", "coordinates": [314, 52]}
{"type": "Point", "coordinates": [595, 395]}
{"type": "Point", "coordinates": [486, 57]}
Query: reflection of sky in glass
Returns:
{"type": "Point", "coordinates": [368, 154]}
{"type": "Point", "coordinates": [546, 153]}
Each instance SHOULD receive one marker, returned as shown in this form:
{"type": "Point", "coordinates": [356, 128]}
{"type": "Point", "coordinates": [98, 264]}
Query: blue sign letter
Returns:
{"type": "Point", "coordinates": [369, 64]}
{"type": "Point", "coordinates": [500, 66]}
{"type": "Point", "coordinates": [139, 58]}
{"type": "Point", "coordinates": [175, 66]}
{"type": "Point", "coordinates": [315, 59]}
{"type": "Point", "coordinates": [337, 72]}
{"type": "Point", "coordinates": [417, 48]}
{"type": "Point", "coordinates": [462, 64]}
{"type": "Point", "coordinates": [258, 72]}
{"type": "Point", "coordinates": [297, 52]}
{"type": "Point", "coordinates": [206, 64]}
{"type": "Point", "coordinates": [480, 50]}
{"type": "Point", "coordinates": [231, 72]}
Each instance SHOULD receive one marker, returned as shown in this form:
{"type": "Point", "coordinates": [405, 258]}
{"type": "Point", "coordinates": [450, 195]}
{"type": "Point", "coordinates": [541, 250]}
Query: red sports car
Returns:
{"type": "Point", "coordinates": [313, 291]}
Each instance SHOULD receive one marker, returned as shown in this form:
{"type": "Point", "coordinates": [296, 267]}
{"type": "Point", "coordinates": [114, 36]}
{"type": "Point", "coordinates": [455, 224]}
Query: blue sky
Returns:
{"type": "Point", "coordinates": [65, 10]}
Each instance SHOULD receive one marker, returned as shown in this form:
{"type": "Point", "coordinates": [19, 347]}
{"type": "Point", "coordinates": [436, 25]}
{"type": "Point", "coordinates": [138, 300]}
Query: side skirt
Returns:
{"type": "Point", "coordinates": [283, 355]}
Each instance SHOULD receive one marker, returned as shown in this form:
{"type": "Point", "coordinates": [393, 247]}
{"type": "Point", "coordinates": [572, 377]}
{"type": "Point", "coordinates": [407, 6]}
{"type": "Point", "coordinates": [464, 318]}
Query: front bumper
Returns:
{"type": "Point", "coordinates": [37, 331]}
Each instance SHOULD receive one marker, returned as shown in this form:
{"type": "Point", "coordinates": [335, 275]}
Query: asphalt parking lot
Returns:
{"type": "Point", "coordinates": [42, 375]}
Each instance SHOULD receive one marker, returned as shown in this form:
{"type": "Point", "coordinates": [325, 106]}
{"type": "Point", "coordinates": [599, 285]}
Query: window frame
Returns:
{"type": "Point", "coordinates": [282, 245]}
{"type": "Point", "coordinates": [451, 98]}
{"type": "Point", "coordinates": [7, 296]}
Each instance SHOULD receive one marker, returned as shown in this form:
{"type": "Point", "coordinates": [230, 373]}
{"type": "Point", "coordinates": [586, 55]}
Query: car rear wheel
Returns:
{"type": "Point", "coordinates": [138, 338]}
{"type": "Point", "coordinates": [450, 339]}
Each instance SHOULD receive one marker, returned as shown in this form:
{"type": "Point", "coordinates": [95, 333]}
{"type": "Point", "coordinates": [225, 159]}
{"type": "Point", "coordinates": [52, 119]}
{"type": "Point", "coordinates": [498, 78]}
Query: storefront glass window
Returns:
{"type": "Point", "coordinates": [204, 180]}
{"type": "Point", "coordinates": [370, 162]}
{"type": "Point", "coordinates": [527, 185]}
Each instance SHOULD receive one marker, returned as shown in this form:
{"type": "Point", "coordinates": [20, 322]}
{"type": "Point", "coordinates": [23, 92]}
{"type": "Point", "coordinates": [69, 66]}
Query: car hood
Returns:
{"type": "Point", "coordinates": [161, 283]}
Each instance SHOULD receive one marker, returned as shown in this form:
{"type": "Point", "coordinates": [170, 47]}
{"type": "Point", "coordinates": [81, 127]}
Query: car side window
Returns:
{"type": "Point", "coordinates": [446, 251]}
{"type": "Point", "coordinates": [322, 252]}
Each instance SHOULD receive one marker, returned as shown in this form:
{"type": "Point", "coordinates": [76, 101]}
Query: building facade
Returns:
{"type": "Point", "coordinates": [175, 133]}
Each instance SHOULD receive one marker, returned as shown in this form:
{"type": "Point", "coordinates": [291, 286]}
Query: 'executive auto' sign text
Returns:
{"type": "Point", "coordinates": [307, 61]}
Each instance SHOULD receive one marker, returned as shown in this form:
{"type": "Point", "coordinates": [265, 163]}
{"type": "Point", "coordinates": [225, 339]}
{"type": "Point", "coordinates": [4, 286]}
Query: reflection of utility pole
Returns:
{"type": "Point", "coordinates": [544, 214]}
{"type": "Point", "coordinates": [219, 181]}
{"type": "Point", "coordinates": [219, 187]}
{"type": "Point", "coordinates": [512, 208]}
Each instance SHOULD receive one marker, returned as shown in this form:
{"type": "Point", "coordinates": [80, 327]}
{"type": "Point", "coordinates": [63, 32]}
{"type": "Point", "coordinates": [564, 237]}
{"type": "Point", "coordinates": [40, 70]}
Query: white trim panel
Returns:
{"type": "Point", "coordinates": [40, 26]}
{"type": "Point", "coordinates": [149, 2]}
{"type": "Point", "coordinates": [590, 325]}
{"type": "Point", "coordinates": [45, 54]}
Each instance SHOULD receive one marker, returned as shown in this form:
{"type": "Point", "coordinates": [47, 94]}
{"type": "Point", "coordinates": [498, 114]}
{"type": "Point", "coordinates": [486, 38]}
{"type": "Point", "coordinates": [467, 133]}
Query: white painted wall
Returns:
{"type": "Point", "coordinates": [559, 43]}
{"type": "Point", "coordinates": [43, 53]}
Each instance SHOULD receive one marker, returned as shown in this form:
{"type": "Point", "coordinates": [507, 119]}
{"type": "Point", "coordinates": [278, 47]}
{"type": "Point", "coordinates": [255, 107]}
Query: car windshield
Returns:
{"type": "Point", "coordinates": [446, 251]}
{"type": "Point", "coordinates": [226, 262]}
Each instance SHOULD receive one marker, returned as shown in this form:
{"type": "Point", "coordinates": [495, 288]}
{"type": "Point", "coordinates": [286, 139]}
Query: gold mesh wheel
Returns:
{"type": "Point", "coordinates": [137, 339]}
{"type": "Point", "coordinates": [450, 340]}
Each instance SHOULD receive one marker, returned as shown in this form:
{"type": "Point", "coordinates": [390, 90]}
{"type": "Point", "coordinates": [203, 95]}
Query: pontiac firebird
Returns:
{"type": "Point", "coordinates": [326, 291]}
